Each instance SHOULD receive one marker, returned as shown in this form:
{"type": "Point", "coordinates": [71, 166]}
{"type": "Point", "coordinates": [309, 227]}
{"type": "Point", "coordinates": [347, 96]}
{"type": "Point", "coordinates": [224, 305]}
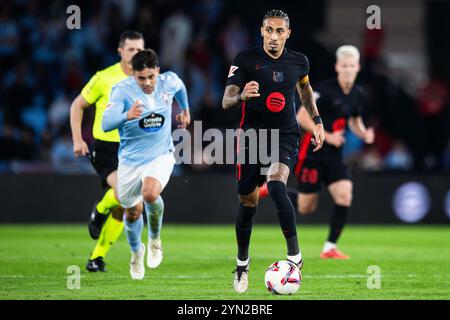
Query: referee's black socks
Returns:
{"type": "Point", "coordinates": [286, 215]}
{"type": "Point", "coordinates": [337, 222]}
{"type": "Point", "coordinates": [244, 223]}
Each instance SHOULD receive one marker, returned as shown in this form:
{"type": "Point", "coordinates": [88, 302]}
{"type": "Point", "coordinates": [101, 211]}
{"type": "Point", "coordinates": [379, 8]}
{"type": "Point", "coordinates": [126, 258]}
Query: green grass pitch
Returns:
{"type": "Point", "coordinates": [414, 262]}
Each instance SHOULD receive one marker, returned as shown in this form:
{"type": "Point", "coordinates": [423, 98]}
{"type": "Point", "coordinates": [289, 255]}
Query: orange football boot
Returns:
{"type": "Point", "coordinates": [334, 254]}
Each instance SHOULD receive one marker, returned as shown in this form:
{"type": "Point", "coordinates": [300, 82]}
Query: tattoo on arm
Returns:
{"type": "Point", "coordinates": [231, 97]}
{"type": "Point", "coordinates": [307, 96]}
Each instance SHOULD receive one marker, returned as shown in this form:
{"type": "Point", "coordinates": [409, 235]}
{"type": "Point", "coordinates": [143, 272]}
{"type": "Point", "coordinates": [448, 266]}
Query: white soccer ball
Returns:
{"type": "Point", "coordinates": [283, 277]}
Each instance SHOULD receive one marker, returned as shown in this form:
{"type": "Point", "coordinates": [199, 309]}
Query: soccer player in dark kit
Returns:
{"type": "Point", "coordinates": [340, 102]}
{"type": "Point", "coordinates": [263, 80]}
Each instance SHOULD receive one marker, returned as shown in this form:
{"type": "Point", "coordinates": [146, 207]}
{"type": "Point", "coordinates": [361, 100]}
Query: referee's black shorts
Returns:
{"type": "Point", "coordinates": [103, 156]}
{"type": "Point", "coordinates": [249, 176]}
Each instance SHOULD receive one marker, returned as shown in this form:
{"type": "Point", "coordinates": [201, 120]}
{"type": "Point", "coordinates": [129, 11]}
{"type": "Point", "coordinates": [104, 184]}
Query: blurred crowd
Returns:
{"type": "Point", "coordinates": [45, 65]}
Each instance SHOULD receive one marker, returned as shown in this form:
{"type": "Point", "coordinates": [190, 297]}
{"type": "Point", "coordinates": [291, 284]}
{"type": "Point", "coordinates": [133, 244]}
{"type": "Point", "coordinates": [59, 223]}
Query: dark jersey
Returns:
{"type": "Point", "coordinates": [277, 78]}
{"type": "Point", "coordinates": [335, 108]}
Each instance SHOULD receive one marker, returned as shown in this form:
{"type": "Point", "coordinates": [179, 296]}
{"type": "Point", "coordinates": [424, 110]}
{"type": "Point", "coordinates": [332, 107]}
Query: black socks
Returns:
{"type": "Point", "coordinates": [244, 223]}
{"type": "Point", "coordinates": [292, 194]}
{"type": "Point", "coordinates": [286, 214]}
{"type": "Point", "coordinates": [337, 222]}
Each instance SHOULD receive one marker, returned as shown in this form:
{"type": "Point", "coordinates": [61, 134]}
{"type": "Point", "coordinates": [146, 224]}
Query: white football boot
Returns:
{"type": "Point", "coordinates": [137, 269]}
{"type": "Point", "coordinates": [240, 283]}
{"type": "Point", "coordinates": [155, 254]}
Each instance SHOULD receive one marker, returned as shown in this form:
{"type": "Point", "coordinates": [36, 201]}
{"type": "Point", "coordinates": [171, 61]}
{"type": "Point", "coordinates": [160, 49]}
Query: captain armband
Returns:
{"type": "Point", "coordinates": [304, 80]}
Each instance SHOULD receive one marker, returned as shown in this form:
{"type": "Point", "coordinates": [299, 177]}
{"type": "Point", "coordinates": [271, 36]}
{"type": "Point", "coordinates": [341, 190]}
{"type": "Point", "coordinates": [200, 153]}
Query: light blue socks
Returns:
{"type": "Point", "coordinates": [133, 231]}
{"type": "Point", "coordinates": [155, 213]}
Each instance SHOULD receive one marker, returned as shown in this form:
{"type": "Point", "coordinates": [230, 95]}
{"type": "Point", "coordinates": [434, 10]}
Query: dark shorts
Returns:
{"type": "Point", "coordinates": [103, 156]}
{"type": "Point", "coordinates": [313, 172]}
{"type": "Point", "coordinates": [249, 176]}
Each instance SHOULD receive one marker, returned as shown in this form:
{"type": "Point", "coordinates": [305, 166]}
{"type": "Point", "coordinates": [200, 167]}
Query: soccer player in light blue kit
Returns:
{"type": "Point", "coordinates": [141, 108]}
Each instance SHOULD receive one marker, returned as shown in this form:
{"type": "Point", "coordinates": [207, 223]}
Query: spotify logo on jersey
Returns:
{"type": "Point", "coordinates": [275, 102]}
{"type": "Point", "coordinates": [152, 123]}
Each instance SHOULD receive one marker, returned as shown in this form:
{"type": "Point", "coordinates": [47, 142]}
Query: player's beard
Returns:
{"type": "Point", "coordinates": [272, 48]}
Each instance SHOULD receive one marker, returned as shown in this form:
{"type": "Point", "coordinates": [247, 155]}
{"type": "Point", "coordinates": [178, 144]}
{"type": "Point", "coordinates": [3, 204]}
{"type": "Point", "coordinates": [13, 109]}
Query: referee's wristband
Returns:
{"type": "Point", "coordinates": [317, 120]}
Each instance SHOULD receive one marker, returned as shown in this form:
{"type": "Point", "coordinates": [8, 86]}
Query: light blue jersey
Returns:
{"type": "Point", "coordinates": [144, 139]}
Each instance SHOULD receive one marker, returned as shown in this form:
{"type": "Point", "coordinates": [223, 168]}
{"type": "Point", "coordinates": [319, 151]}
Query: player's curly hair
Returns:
{"type": "Point", "coordinates": [275, 13]}
{"type": "Point", "coordinates": [144, 59]}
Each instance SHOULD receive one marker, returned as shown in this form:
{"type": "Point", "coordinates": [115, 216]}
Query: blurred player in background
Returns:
{"type": "Point", "coordinates": [104, 226]}
{"type": "Point", "coordinates": [263, 80]}
{"type": "Point", "coordinates": [141, 108]}
{"type": "Point", "coordinates": [340, 102]}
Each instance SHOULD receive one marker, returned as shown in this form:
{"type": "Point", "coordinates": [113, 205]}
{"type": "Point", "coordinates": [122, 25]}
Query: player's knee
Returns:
{"type": "Point", "coordinates": [344, 199]}
{"type": "Point", "coordinates": [150, 195]}
{"type": "Point", "coordinates": [248, 201]}
{"type": "Point", "coordinates": [133, 214]}
{"type": "Point", "coordinates": [117, 213]}
{"type": "Point", "coordinates": [306, 207]}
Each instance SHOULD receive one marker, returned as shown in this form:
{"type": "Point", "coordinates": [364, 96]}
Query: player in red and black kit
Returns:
{"type": "Point", "coordinates": [264, 81]}
{"type": "Point", "coordinates": [340, 102]}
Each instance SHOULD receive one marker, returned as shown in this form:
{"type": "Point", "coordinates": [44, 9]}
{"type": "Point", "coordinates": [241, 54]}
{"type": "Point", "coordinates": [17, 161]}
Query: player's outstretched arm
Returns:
{"type": "Point", "coordinates": [308, 101]}
{"type": "Point", "coordinates": [232, 97]}
{"type": "Point", "coordinates": [80, 147]}
{"type": "Point", "coordinates": [356, 124]}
